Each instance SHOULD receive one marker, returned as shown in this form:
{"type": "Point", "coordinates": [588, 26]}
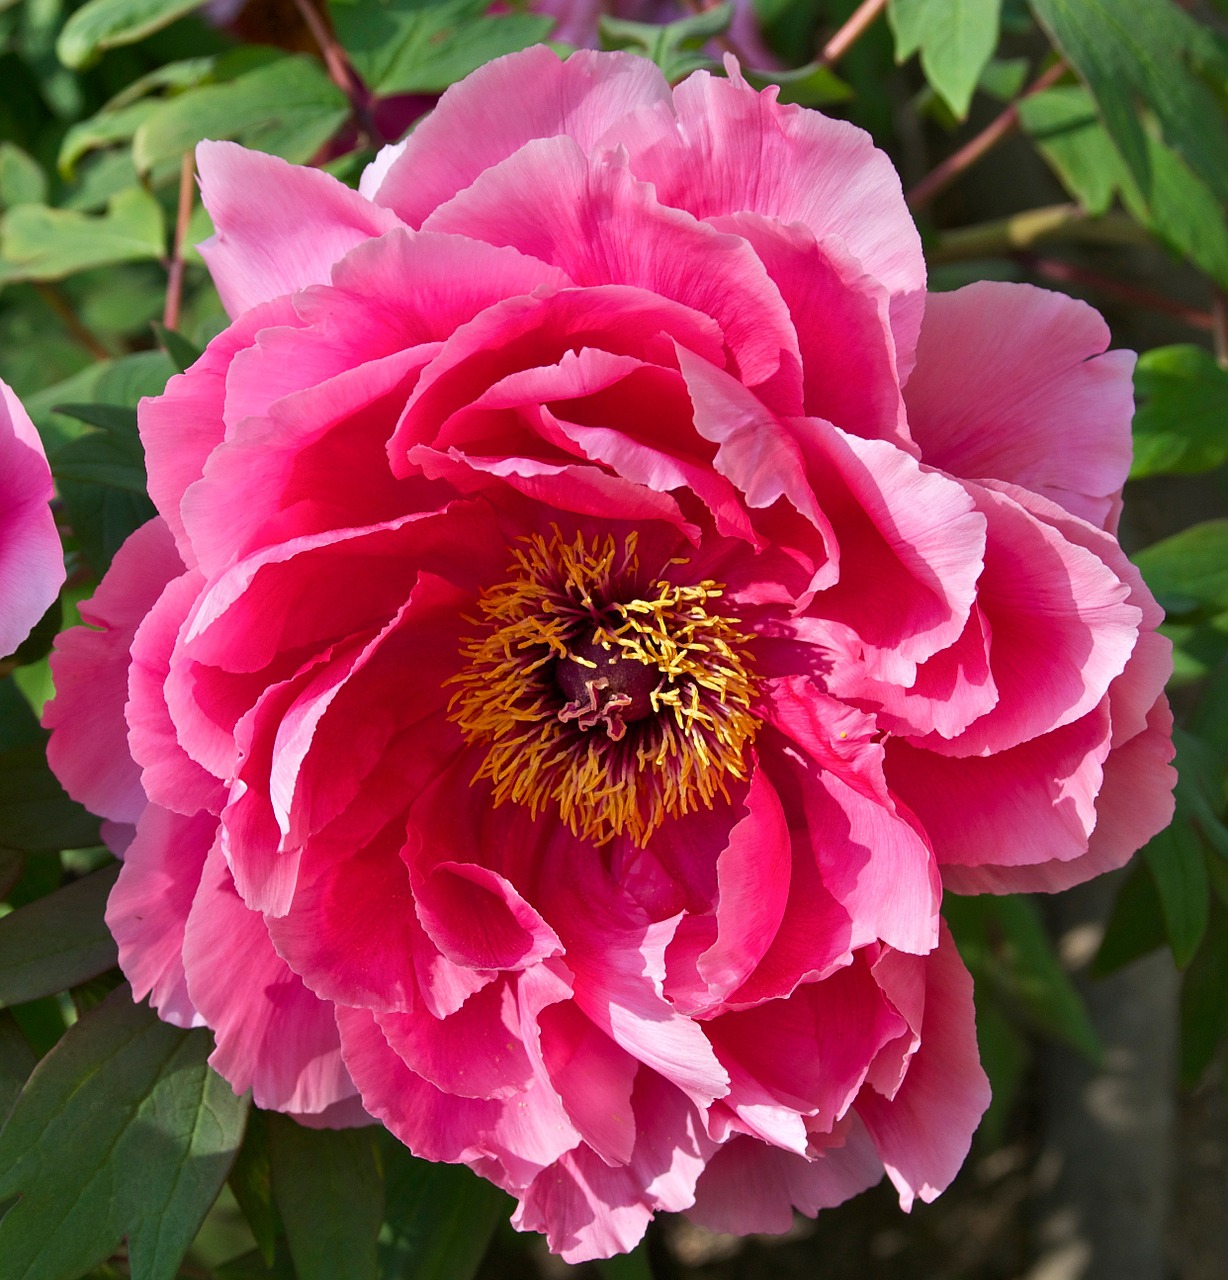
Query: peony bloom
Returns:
{"type": "Point", "coordinates": [31, 561]}
{"type": "Point", "coordinates": [597, 602]}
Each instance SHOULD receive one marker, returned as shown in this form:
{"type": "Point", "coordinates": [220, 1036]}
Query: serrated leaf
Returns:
{"type": "Point", "coordinates": [330, 1194]}
{"type": "Point", "coordinates": [1181, 424]}
{"type": "Point", "coordinates": [122, 1130]}
{"type": "Point", "coordinates": [440, 1218]}
{"type": "Point", "coordinates": [41, 243]}
{"type": "Point", "coordinates": [107, 24]}
{"type": "Point", "coordinates": [35, 811]}
{"type": "Point", "coordinates": [289, 108]}
{"type": "Point", "coordinates": [1189, 571]}
{"type": "Point", "coordinates": [956, 39]}
{"type": "Point", "coordinates": [57, 941]}
{"type": "Point", "coordinates": [1132, 51]}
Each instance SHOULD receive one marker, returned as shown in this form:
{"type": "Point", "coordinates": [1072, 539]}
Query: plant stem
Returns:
{"type": "Point", "coordinates": [174, 268]}
{"type": "Point", "coordinates": [340, 70]}
{"type": "Point", "coordinates": [71, 321]}
{"type": "Point", "coordinates": [852, 31]}
{"type": "Point", "coordinates": [1023, 231]}
{"type": "Point", "coordinates": [1069, 273]}
{"type": "Point", "coordinates": [1219, 326]}
{"type": "Point", "coordinates": [942, 175]}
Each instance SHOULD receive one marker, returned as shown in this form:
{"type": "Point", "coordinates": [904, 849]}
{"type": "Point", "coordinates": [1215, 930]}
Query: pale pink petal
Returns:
{"type": "Point", "coordinates": [494, 112]}
{"type": "Point", "coordinates": [278, 226]}
{"type": "Point", "coordinates": [31, 559]}
{"type": "Point", "coordinates": [89, 737]}
{"type": "Point", "coordinates": [1011, 385]}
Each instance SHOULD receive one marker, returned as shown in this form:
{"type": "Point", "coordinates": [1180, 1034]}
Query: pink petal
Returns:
{"type": "Point", "coordinates": [923, 1134]}
{"type": "Point", "coordinates": [273, 1036]}
{"type": "Point", "coordinates": [492, 113]}
{"type": "Point", "coordinates": [1011, 385]}
{"type": "Point", "coordinates": [31, 559]}
{"type": "Point", "coordinates": [89, 738]}
{"type": "Point", "coordinates": [279, 227]}
{"type": "Point", "coordinates": [148, 909]}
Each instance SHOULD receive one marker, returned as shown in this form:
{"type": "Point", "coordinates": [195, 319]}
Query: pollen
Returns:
{"type": "Point", "coordinates": [612, 698]}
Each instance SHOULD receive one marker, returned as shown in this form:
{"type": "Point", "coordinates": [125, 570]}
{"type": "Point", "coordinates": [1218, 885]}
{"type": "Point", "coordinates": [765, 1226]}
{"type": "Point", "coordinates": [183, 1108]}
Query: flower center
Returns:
{"type": "Point", "coordinates": [622, 701]}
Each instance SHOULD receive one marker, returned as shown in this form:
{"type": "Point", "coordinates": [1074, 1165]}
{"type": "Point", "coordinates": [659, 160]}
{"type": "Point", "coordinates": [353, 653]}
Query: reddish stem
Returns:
{"type": "Point", "coordinates": [942, 175]}
{"type": "Point", "coordinates": [174, 268]}
{"type": "Point", "coordinates": [852, 31]}
{"type": "Point", "coordinates": [340, 70]}
{"type": "Point", "coordinates": [1067, 273]}
{"type": "Point", "coordinates": [63, 309]}
{"type": "Point", "coordinates": [1219, 326]}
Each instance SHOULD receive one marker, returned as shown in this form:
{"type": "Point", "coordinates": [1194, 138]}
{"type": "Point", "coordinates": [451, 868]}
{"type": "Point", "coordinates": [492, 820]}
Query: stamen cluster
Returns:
{"type": "Point", "coordinates": [547, 679]}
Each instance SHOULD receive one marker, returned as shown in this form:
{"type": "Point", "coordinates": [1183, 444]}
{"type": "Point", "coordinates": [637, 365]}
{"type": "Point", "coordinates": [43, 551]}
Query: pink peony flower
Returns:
{"type": "Point", "coordinates": [31, 561]}
{"type": "Point", "coordinates": [597, 603]}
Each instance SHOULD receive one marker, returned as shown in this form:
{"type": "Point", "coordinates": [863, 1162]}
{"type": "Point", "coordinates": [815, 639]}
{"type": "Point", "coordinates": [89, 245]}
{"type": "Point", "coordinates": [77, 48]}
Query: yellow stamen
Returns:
{"type": "Point", "coordinates": [544, 749]}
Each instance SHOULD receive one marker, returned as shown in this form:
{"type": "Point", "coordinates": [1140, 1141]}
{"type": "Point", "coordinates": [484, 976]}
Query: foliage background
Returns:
{"type": "Point", "coordinates": [1078, 144]}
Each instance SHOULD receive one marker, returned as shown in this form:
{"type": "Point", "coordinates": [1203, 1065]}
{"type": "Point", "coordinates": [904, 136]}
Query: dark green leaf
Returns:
{"type": "Point", "coordinates": [1176, 861]}
{"type": "Point", "coordinates": [813, 85]}
{"type": "Point", "coordinates": [440, 1218]}
{"type": "Point", "coordinates": [112, 458]}
{"type": "Point", "coordinates": [626, 1266]}
{"type": "Point", "coordinates": [57, 941]}
{"type": "Point", "coordinates": [956, 39]}
{"type": "Point", "coordinates": [288, 107]}
{"type": "Point", "coordinates": [106, 24]}
{"type": "Point", "coordinates": [35, 811]}
{"type": "Point", "coordinates": [1204, 1008]}
{"type": "Point", "coordinates": [19, 725]}
{"type": "Point", "coordinates": [330, 1193]}
{"type": "Point", "coordinates": [1005, 1056]}
{"type": "Point", "coordinates": [1142, 51]}
{"type": "Point", "coordinates": [1189, 571]}
{"type": "Point", "coordinates": [17, 1060]}
{"type": "Point", "coordinates": [109, 417]}
{"type": "Point", "coordinates": [12, 867]}
{"type": "Point", "coordinates": [182, 353]}
{"type": "Point", "coordinates": [40, 243]}
{"type": "Point", "coordinates": [37, 645]}
{"type": "Point", "coordinates": [1181, 425]}
{"type": "Point", "coordinates": [251, 1182]}
{"type": "Point", "coordinates": [1136, 924]}
{"type": "Point", "coordinates": [1067, 131]}
{"type": "Point", "coordinates": [122, 1130]}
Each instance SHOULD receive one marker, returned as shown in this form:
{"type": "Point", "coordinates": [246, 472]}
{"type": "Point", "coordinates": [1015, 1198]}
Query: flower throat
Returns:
{"type": "Point", "coordinates": [624, 703]}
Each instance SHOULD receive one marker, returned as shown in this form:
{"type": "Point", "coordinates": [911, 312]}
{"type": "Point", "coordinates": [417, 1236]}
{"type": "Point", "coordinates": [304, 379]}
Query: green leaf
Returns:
{"type": "Point", "coordinates": [1005, 1055]}
{"type": "Point", "coordinates": [1181, 424]}
{"type": "Point", "coordinates": [106, 129]}
{"type": "Point", "coordinates": [288, 107]}
{"type": "Point", "coordinates": [1189, 571]}
{"type": "Point", "coordinates": [813, 85]}
{"type": "Point", "coordinates": [17, 1060]}
{"type": "Point", "coordinates": [37, 645]}
{"type": "Point", "coordinates": [1132, 51]}
{"type": "Point", "coordinates": [40, 243]}
{"type": "Point", "coordinates": [423, 46]}
{"type": "Point", "coordinates": [675, 47]}
{"type": "Point", "coordinates": [329, 1191]}
{"type": "Point", "coordinates": [102, 458]}
{"type": "Point", "coordinates": [1204, 1010]}
{"type": "Point", "coordinates": [182, 353]}
{"type": "Point", "coordinates": [440, 1218]}
{"type": "Point", "coordinates": [252, 1184]}
{"type": "Point", "coordinates": [116, 418]}
{"type": "Point", "coordinates": [1175, 860]}
{"type": "Point", "coordinates": [35, 811]}
{"type": "Point", "coordinates": [22, 180]}
{"type": "Point", "coordinates": [57, 941]}
{"type": "Point", "coordinates": [1136, 923]}
{"type": "Point", "coordinates": [106, 24]}
{"type": "Point", "coordinates": [1063, 124]}
{"type": "Point", "coordinates": [956, 39]}
{"type": "Point", "coordinates": [122, 1130]}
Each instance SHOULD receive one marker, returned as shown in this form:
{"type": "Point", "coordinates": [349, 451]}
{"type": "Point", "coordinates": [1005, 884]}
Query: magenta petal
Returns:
{"type": "Point", "coordinates": [279, 227]}
{"type": "Point", "coordinates": [478, 920]}
{"type": "Point", "coordinates": [31, 559]}
{"type": "Point", "coordinates": [273, 1036]}
{"type": "Point", "coordinates": [89, 747]}
{"type": "Point", "coordinates": [922, 1134]}
{"type": "Point", "coordinates": [147, 911]}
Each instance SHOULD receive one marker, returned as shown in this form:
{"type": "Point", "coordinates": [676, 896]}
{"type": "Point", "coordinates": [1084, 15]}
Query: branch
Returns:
{"type": "Point", "coordinates": [174, 268]}
{"type": "Point", "coordinates": [1122, 290]}
{"type": "Point", "coordinates": [942, 175]}
{"type": "Point", "coordinates": [852, 31]}
{"type": "Point", "coordinates": [1022, 231]}
{"type": "Point", "coordinates": [340, 70]}
{"type": "Point", "coordinates": [71, 321]}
